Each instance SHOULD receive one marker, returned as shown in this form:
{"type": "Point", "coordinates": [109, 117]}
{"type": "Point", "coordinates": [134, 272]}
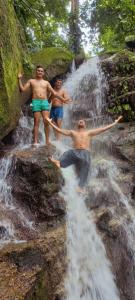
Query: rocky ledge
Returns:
{"type": "Point", "coordinates": [36, 269]}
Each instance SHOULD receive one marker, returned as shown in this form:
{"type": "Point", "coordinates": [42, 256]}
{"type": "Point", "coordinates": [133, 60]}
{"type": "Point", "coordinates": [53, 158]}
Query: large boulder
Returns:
{"type": "Point", "coordinates": [120, 74]}
{"type": "Point", "coordinates": [33, 270]}
{"type": "Point", "coordinates": [11, 55]}
{"type": "Point", "coordinates": [56, 61]}
{"type": "Point", "coordinates": [36, 183]}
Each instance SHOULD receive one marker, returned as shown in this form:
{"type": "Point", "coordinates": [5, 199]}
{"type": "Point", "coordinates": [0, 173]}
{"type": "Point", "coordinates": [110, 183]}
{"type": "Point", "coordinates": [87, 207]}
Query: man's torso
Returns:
{"type": "Point", "coordinates": [55, 101]}
{"type": "Point", "coordinates": [39, 89]}
{"type": "Point", "coordinates": [81, 140]}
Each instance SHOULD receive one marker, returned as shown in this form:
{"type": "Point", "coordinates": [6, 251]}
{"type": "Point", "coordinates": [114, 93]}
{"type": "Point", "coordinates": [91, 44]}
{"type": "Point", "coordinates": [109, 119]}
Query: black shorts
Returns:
{"type": "Point", "coordinates": [81, 160]}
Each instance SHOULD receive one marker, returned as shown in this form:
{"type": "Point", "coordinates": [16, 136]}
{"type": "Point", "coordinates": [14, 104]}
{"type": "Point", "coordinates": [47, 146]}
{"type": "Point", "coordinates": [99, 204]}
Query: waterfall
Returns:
{"type": "Point", "coordinates": [89, 275]}
{"type": "Point", "coordinates": [8, 207]}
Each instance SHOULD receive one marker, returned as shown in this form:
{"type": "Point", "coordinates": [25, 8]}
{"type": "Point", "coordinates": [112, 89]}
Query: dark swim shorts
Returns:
{"type": "Point", "coordinates": [81, 160]}
{"type": "Point", "coordinates": [56, 112]}
{"type": "Point", "coordinates": [40, 105]}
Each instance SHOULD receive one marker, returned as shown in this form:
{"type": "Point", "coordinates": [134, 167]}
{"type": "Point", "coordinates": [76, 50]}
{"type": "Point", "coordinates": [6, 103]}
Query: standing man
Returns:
{"type": "Point", "coordinates": [80, 154]}
{"type": "Point", "coordinates": [40, 90]}
{"type": "Point", "coordinates": [56, 113]}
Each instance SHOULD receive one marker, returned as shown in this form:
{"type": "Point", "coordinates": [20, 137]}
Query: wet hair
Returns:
{"type": "Point", "coordinates": [52, 82]}
{"type": "Point", "coordinates": [40, 66]}
{"type": "Point", "coordinates": [57, 78]}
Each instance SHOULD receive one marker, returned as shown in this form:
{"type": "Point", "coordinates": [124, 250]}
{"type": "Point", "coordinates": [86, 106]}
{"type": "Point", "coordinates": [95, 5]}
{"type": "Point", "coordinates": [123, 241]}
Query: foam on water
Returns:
{"type": "Point", "coordinates": [89, 275]}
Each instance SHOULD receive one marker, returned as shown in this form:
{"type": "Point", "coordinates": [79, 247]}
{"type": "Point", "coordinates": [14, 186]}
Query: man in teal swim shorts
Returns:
{"type": "Point", "coordinates": [41, 89]}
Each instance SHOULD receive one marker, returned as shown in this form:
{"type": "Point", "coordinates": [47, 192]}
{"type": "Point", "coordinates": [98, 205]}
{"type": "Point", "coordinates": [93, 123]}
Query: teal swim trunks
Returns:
{"type": "Point", "coordinates": [40, 105]}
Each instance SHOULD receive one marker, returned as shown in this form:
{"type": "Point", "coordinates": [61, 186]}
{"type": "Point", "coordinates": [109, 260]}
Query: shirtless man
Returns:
{"type": "Point", "coordinates": [56, 113]}
{"type": "Point", "coordinates": [40, 105]}
{"type": "Point", "coordinates": [80, 155]}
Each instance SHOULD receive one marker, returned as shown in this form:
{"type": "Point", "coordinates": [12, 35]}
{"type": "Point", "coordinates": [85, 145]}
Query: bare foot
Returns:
{"type": "Point", "coordinates": [49, 144]}
{"type": "Point", "coordinates": [36, 144]}
{"type": "Point", "coordinates": [81, 190]}
{"type": "Point", "coordinates": [56, 162]}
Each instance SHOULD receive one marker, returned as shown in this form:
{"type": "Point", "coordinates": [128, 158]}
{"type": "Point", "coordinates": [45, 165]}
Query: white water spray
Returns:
{"type": "Point", "coordinates": [89, 275]}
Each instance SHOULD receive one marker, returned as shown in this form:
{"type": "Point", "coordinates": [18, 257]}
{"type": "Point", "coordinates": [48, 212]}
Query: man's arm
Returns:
{"type": "Point", "coordinates": [53, 93]}
{"type": "Point", "coordinates": [94, 132]}
{"type": "Point", "coordinates": [62, 131]}
{"type": "Point", "coordinates": [22, 87]}
{"type": "Point", "coordinates": [66, 97]}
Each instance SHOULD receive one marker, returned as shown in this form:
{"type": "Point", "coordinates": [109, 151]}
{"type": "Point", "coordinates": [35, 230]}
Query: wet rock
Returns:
{"type": "Point", "coordinates": [33, 270]}
{"type": "Point", "coordinates": [36, 183]}
{"type": "Point", "coordinates": [120, 74]}
{"type": "Point", "coordinates": [3, 232]}
{"type": "Point", "coordinates": [56, 61]}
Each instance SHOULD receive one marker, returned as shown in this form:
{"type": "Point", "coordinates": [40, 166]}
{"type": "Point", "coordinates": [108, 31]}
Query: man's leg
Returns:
{"type": "Point", "coordinates": [36, 126]}
{"type": "Point", "coordinates": [82, 169]}
{"type": "Point", "coordinates": [46, 114]}
{"type": "Point", "coordinates": [56, 162]}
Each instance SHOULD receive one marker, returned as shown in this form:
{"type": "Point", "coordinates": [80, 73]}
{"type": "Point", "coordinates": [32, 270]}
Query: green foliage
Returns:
{"type": "Point", "coordinates": [42, 20]}
{"type": "Point", "coordinates": [110, 21]}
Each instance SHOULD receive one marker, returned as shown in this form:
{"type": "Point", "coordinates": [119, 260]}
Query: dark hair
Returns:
{"type": "Point", "coordinates": [58, 78]}
{"type": "Point", "coordinates": [40, 66]}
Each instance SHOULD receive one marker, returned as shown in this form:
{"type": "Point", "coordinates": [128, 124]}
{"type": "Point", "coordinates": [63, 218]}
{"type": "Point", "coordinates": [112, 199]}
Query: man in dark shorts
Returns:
{"type": "Point", "coordinates": [80, 155]}
{"type": "Point", "coordinates": [56, 113]}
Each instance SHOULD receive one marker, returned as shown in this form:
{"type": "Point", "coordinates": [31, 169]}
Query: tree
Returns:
{"type": "Point", "coordinates": [42, 20]}
{"type": "Point", "coordinates": [75, 32]}
{"type": "Point", "coordinates": [110, 21]}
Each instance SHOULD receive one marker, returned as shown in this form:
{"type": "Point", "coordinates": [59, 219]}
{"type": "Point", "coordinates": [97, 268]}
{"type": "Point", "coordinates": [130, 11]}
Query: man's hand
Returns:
{"type": "Point", "coordinates": [49, 120]}
{"type": "Point", "coordinates": [68, 101]}
{"type": "Point", "coordinates": [116, 121]}
{"type": "Point", "coordinates": [20, 75]}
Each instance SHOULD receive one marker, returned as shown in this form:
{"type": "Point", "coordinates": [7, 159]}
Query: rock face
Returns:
{"type": "Point", "coordinates": [10, 63]}
{"type": "Point", "coordinates": [36, 269]}
{"type": "Point", "coordinates": [36, 183]}
{"type": "Point", "coordinates": [120, 73]}
{"type": "Point", "coordinates": [33, 270]}
{"type": "Point", "coordinates": [111, 197]}
{"type": "Point", "coordinates": [56, 61]}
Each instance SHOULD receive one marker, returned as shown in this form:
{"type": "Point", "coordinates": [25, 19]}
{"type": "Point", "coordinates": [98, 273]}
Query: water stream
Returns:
{"type": "Point", "coordinates": [89, 275]}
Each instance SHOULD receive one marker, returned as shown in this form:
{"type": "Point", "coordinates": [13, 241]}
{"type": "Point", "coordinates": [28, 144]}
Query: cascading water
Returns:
{"type": "Point", "coordinates": [7, 205]}
{"type": "Point", "coordinates": [89, 275]}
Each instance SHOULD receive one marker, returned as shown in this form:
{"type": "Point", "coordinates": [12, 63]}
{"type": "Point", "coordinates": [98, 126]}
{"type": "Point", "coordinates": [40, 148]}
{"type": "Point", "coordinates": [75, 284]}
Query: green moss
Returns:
{"type": "Point", "coordinates": [130, 38]}
{"type": "Point", "coordinates": [11, 54]}
{"type": "Point", "coordinates": [49, 55]}
{"type": "Point", "coordinates": [56, 61]}
{"type": "Point", "coordinates": [40, 292]}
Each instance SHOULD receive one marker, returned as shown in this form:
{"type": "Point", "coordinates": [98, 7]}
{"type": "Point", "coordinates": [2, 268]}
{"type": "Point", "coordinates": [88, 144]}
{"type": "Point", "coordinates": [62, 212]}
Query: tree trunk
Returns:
{"type": "Point", "coordinates": [75, 32]}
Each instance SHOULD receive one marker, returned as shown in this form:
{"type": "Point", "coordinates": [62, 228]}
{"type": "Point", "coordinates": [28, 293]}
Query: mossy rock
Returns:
{"type": "Point", "coordinates": [56, 61]}
{"type": "Point", "coordinates": [120, 71]}
{"type": "Point", "coordinates": [11, 54]}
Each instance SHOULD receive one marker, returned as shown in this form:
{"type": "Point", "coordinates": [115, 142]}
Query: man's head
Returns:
{"type": "Point", "coordinates": [40, 71]}
{"type": "Point", "coordinates": [58, 83]}
{"type": "Point", "coordinates": [81, 124]}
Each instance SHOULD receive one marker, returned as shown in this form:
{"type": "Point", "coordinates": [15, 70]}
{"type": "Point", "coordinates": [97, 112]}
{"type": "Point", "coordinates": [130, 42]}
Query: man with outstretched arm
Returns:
{"type": "Point", "coordinates": [80, 155]}
{"type": "Point", "coordinates": [56, 113]}
{"type": "Point", "coordinates": [40, 90]}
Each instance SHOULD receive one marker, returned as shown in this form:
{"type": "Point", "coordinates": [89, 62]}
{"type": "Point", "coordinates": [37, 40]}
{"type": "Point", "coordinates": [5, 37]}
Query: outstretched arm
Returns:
{"type": "Point", "coordinates": [22, 87]}
{"type": "Point", "coordinates": [102, 129]}
{"type": "Point", "coordinates": [53, 93]}
{"type": "Point", "coordinates": [62, 131]}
